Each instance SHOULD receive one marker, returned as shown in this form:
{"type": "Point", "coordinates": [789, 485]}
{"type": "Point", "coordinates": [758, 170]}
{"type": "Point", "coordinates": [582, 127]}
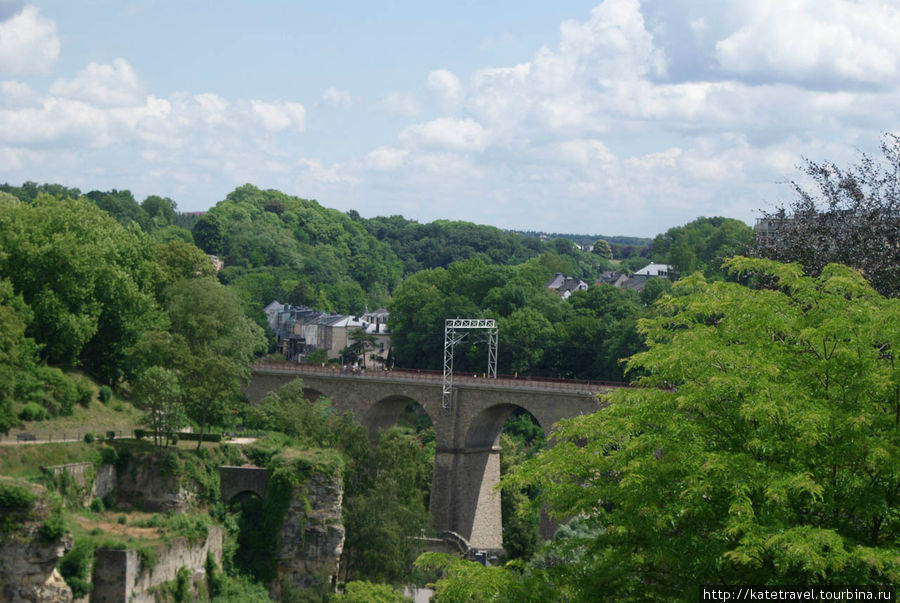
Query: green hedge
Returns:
{"type": "Point", "coordinates": [193, 437]}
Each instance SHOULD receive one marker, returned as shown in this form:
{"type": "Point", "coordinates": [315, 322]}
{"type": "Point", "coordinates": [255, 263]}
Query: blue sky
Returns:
{"type": "Point", "coordinates": [613, 117]}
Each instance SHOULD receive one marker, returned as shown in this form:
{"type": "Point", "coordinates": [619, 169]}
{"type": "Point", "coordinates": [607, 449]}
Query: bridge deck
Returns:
{"type": "Point", "coordinates": [507, 382]}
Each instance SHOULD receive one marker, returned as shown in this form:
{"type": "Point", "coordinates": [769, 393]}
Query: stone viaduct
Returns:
{"type": "Point", "coordinates": [467, 436]}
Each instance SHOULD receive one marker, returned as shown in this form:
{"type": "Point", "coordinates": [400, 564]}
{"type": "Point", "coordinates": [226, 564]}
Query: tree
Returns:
{"type": "Point", "coordinates": [762, 449]}
{"type": "Point", "coordinates": [361, 341]}
{"type": "Point", "coordinates": [221, 341]}
{"type": "Point", "coordinates": [87, 279]}
{"type": "Point", "coordinates": [851, 216]}
{"type": "Point", "coordinates": [162, 208]}
{"type": "Point", "coordinates": [602, 248]}
{"type": "Point", "coordinates": [702, 244]}
{"type": "Point", "coordinates": [157, 392]}
{"type": "Point", "coordinates": [17, 352]}
{"type": "Point", "coordinates": [382, 521]}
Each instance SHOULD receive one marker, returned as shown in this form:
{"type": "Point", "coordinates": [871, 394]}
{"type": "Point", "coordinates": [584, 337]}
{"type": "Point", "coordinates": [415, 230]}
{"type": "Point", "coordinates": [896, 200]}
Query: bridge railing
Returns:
{"type": "Point", "coordinates": [437, 376]}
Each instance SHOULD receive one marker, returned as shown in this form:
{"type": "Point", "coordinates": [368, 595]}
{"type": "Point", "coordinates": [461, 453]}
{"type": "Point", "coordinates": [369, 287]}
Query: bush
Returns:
{"type": "Point", "coordinates": [140, 434]}
{"type": "Point", "coordinates": [59, 390]}
{"type": "Point", "coordinates": [108, 455]}
{"type": "Point", "coordinates": [85, 392]}
{"type": "Point", "coordinates": [97, 505]}
{"type": "Point", "coordinates": [15, 498]}
{"type": "Point", "coordinates": [74, 567]}
{"type": "Point", "coordinates": [89, 438]}
{"type": "Point", "coordinates": [118, 407]}
{"type": "Point", "coordinates": [110, 435]}
{"type": "Point", "coordinates": [122, 520]}
{"type": "Point", "coordinates": [53, 527]}
{"type": "Point", "coordinates": [105, 393]}
{"type": "Point", "coordinates": [34, 412]}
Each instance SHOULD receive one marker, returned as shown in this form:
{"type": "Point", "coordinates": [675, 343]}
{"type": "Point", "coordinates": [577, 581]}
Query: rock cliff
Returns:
{"type": "Point", "coordinates": [312, 536]}
{"type": "Point", "coordinates": [29, 558]}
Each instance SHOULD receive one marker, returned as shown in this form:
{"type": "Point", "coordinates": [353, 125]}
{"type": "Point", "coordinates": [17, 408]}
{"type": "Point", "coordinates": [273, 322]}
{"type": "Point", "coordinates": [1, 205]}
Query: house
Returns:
{"type": "Point", "coordinates": [639, 279]}
{"type": "Point", "coordinates": [300, 330]}
{"type": "Point", "coordinates": [649, 270]}
{"type": "Point", "coordinates": [612, 277]}
{"type": "Point", "coordinates": [565, 285]}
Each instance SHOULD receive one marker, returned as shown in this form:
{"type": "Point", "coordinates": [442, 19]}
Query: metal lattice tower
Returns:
{"type": "Point", "coordinates": [455, 330]}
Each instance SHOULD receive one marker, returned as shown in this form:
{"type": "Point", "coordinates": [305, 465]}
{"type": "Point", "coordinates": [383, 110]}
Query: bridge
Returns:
{"type": "Point", "coordinates": [467, 436]}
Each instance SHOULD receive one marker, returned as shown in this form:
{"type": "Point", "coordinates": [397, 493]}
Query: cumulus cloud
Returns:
{"type": "Point", "coordinates": [447, 133]}
{"type": "Point", "coordinates": [447, 86]}
{"type": "Point", "coordinates": [112, 85]}
{"type": "Point", "coordinates": [335, 97]}
{"type": "Point", "coordinates": [402, 104]}
{"type": "Point", "coordinates": [385, 159]}
{"type": "Point", "coordinates": [28, 43]}
{"type": "Point", "coordinates": [279, 115]}
{"type": "Point", "coordinates": [815, 41]}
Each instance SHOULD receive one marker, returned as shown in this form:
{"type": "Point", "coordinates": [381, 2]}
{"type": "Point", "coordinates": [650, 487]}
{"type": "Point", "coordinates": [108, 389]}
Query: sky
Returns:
{"type": "Point", "coordinates": [620, 117]}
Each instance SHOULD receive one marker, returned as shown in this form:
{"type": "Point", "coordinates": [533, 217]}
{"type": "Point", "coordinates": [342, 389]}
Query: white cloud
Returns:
{"type": "Point", "coordinates": [28, 43]}
{"type": "Point", "coordinates": [386, 159]}
{"type": "Point", "coordinates": [335, 97]}
{"type": "Point", "coordinates": [112, 85]}
{"type": "Point", "coordinates": [447, 86]}
{"type": "Point", "coordinates": [279, 115]}
{"type": "Point", "coordinates": [402, 104]}
{"type": "Point", "coordinates": [447, 133]}
{"type": "Point", "coordinates": [815, 41]}
{"type": "Point", "coordinates": [15, 94]}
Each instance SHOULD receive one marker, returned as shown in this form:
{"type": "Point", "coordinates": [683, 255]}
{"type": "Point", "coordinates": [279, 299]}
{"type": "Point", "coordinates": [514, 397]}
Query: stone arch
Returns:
{"type": "Point", "coordinates": [242, 497]}
{"type": "Point", "coordinates": [312, 394]}
{"type": "Point", "coordinates": [234, 481]}
{"type": "Point", "coordinates": [485, 427]}
{"type": "Point", "coordinates": [386, 412]}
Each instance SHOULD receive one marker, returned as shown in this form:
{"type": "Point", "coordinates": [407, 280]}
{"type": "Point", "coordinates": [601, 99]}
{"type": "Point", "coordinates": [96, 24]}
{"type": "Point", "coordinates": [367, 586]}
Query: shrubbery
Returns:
{"type": "Point", "coordinates": [74, 567]}
{"type": "Point", "coordinates": [34, 412]}
{"type": "Point", "coordinates": [105, 393]}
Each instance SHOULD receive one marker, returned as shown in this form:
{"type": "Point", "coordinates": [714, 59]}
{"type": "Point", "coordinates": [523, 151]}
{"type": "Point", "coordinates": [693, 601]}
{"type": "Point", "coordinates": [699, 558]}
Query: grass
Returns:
{"type": "Point", "coordinates": [97, 418]}
{"type": "Point", "coordinates": [25, 461]}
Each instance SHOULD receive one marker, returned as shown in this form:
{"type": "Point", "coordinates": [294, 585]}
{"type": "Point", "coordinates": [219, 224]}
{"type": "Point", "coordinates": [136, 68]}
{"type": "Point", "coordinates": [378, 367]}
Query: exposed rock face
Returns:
{"type": "Point", "coordinates": [28, 567]}
{"type": "Point", "coordinates": [312, 535]}
{"type": "Point", "coordinates": [145, 486]}
{"type": "Point", "coordinates": [104, 481]}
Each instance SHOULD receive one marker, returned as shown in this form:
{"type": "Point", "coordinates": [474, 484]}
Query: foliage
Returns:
{"type": "Point", "coordinates": [602, 248]}
{"type": "Point", "coordinates": [382, 520]}
{"type": "Point", "coordinates": [74, 567]}
{"type": "Point", "coordinates": [33, 412]}
{"type": "Point", "coordinates": [17, 352]}
{"type": "Point", "coordinates": [463, 580]}
{"type": "Point", "coordinates": [762, 449]}
{"type": "Point", "coordinates": [702, 245]}
{"type": "Point", "coordinates": [852, 216]}
{"type": "Point", "coordinates": [541, 334]}
{"type": "Point", "coordinates": [442, 242]}
{"type": "Point", "coordinates": [210, 343]}
{"type": "Point", "coordinates": [104, 393]}
{"type": "Point", "coordinates": [158, 393]}
{"type": "Point", "coordinates": [87, 279]}
{"type": "Point", "coordinates": [363, 591]}
{"type": "Point", "coordinates": [273, 243]}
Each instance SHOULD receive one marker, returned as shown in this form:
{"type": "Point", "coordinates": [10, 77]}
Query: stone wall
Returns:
{"type": "Point", "coordinates": [312, 536]}
{"type": "Point", "coordinates": [119, 575]}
